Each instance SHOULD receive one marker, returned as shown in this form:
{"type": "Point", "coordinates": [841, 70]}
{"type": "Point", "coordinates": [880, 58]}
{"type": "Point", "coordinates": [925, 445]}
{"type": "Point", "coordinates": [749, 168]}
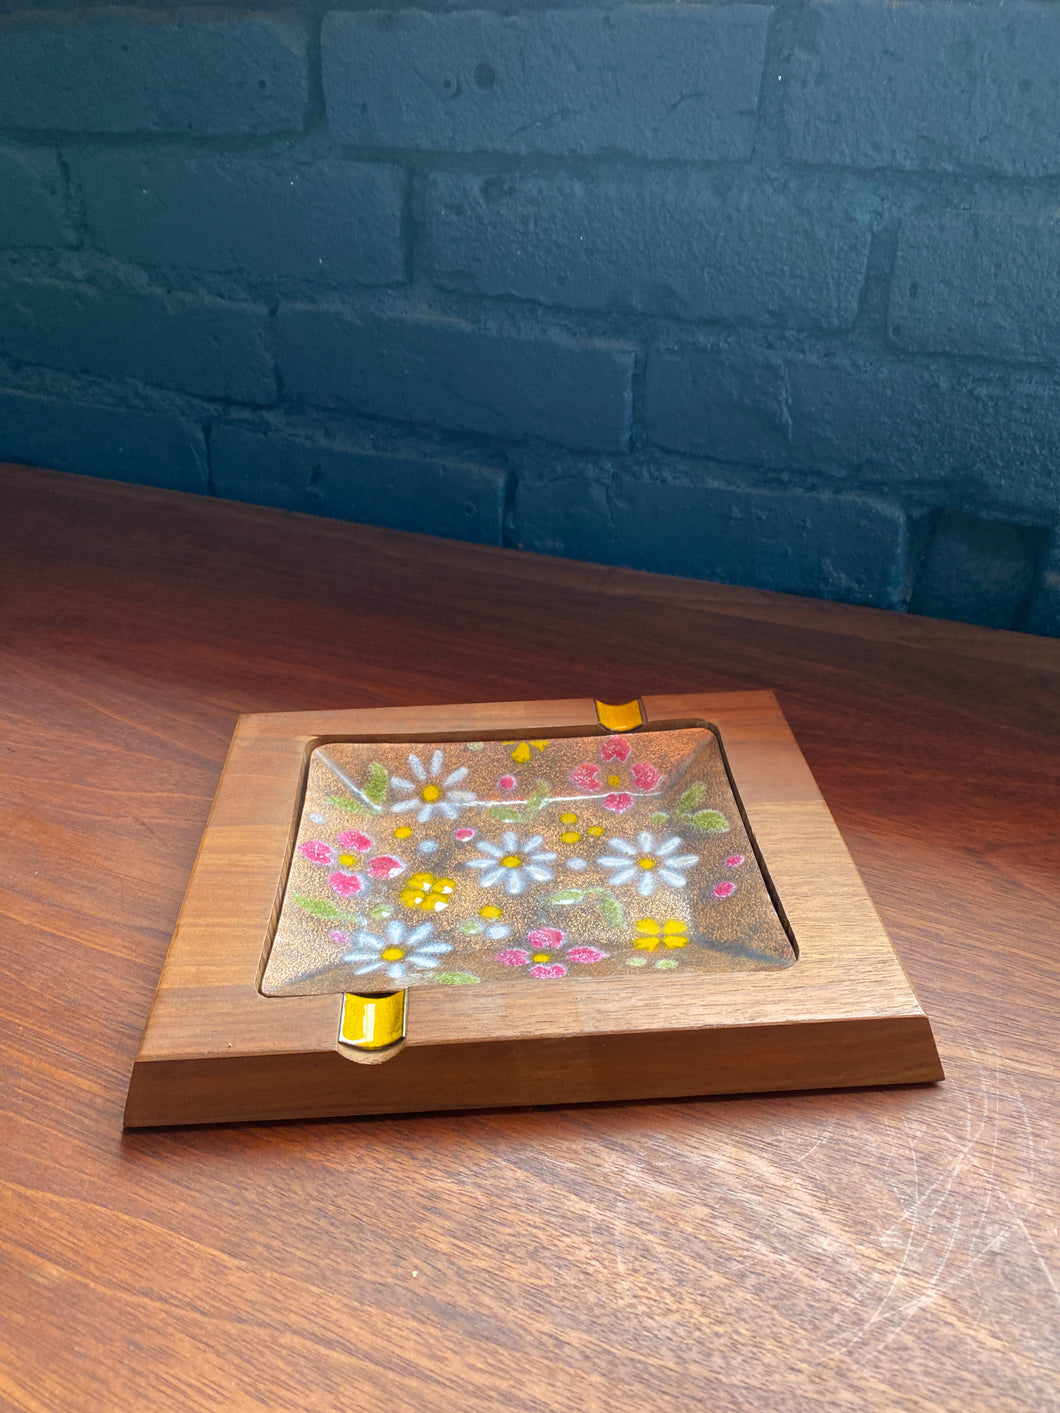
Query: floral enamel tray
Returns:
{"type": "Point", "coordinates": [520, 903]}
{"type": "Point", "coordinates": [549, 860]}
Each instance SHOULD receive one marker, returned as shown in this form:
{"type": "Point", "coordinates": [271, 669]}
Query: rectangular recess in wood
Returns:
{"type": "Point", "coordinates": [556, 859]}
{"type": "Point", "coordinates": [572, 914]}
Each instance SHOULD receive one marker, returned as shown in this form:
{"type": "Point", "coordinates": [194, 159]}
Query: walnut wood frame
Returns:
{"type": "Point", "coordinates": [216, 1050]}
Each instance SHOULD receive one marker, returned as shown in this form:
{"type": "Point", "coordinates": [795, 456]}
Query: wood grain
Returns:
{"type": "Point", "coordinates": [893, 1249]}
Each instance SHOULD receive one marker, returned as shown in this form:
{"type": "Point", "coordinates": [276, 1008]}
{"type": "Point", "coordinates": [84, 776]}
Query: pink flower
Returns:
{"type": "Point", "coordinates": [545, 937]}
{"type": "Point", "coordinates": [615, 748]}
{"type": "Point", "coordinates": [385, 866]}
{"type": "Point", "coordinates": [514, 957]}
{"type": "Point", "coordinates": [463, 835]}
{"type": "Point", "coordinates": [316, 851]}
{"type": "Point", "coordinates": [506, 782]}
{"type": "Point", "coordinates": [339, 938]}
{"type": "Point", "coordinates": [619, 803]}
{"type": "Point", "coordinates": [354, 839]}
{"type": "Point", "coordinates": [725, 889]}
{"type": "Point", "coordinates": [645, 776]}
{"type": "Point", "coordinates": [586, 777]}
{"type": "Point", "coordinates": [543, 941]}
{"type": "Point", "coordinates": [346, 885]}
{"type": "Point", "coordinates": [734, 860]}
{"type": "Point", "coordinates": [586, 955]}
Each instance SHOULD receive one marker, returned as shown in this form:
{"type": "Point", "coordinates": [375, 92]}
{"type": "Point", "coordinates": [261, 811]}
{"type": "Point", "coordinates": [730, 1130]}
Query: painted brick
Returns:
{"type": "Point", "coordinates": [443, 371]}
{"type": "Point", "coordinates": [458, 499]}
{"type": "Point", "coordinates": [992, 437]}
{"type": "Point", "coordinates": [149, 448]}
{"type": "Point", "coordinates": [337, 220]}
{"type": "Point", "coordinates": [131, 71]}
{"type": "Point", "coordinates": [727, 405]}
{"type": "Point", "coordinates": [978, 282]}
{"type": "Point", "coordinates": [671, 80]}
{"type": "Point", "coordinates": [692, 245]}
{"type": "Point", "coordinates": [1043, 613]}
{"type": "Point", "coordinates": [977, 571]}
{"type": "Point", "coordinates": [31, 200]}
{"type": "Point", "coordinates": [851, 548]}
{"type": "Point", "coordinates": [196, 343]}
{"type": "Point", "coordinates": [937, 86]}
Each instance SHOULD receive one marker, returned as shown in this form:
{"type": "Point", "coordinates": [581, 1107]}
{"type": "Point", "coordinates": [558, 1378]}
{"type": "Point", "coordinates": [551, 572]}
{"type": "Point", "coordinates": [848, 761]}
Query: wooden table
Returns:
{"type": "Point", "coordinates": [890, 1250]}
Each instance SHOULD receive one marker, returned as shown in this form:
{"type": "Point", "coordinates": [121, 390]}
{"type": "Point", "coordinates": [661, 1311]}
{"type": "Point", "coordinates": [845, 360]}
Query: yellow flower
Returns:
{"type": "Point", "coordinates": [651, 934]}
{"type": "Point", "coordinates": [429, 894]}
{"type": "Point", "coordinates": [521, 754]}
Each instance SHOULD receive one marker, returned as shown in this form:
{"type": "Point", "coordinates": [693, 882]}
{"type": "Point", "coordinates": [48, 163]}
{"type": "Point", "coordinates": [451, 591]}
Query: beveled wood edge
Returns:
{"type": "Point", "coordinates": [239, 1021]}
{"type": "Point", "coordinates": [569, 1070]}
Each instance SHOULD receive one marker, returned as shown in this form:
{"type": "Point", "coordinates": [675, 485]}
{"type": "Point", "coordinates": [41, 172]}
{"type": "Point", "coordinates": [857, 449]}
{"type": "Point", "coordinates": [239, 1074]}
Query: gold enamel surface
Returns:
{"type": "Point", "coordinates": [626, 717]}
{"type": "Point", "coordinates": [455, 863]}
{"type": "Point", "coordinates": [373, 1022]}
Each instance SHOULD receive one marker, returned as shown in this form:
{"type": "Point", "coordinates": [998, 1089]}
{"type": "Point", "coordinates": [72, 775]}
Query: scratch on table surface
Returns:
{"type": "Point", "coordinates": [945, 1180]}
{"type": "Point", "coordinates": [801, 1158]}
{"type": "Point", "coordinates": [615, 1242]}
{"type": "Point", "coordinates": [997, 1241]}
{"type": "Point", "coordinates": [912, 1214]}
{"type": "Point", "coordinates": [934, 1291]}
{"type": "Point", "coordinates": [966, 1243]}
{"type": "Point", "coordinates": [1028, 1127]}
{"type": "Point", "coordinates": [1046, 1269]}
{"type": "Point", "coordinates": [620, 1260]}
{"type": "Point", "coordinates": [993, 1155]}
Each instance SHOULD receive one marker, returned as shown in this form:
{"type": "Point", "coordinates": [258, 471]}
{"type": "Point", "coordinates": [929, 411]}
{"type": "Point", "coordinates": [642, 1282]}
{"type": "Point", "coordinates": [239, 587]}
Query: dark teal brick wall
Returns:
{"type": "Point", "coordinates": [154, 446]}
{"type": "Point", "coordinates": [217, 347]}
{"type": "Point", "coordinates": [332, 221]}
{"type": "Point", "coordinates": [32, 200]}
{"type": "Point", "coordinates": [452, 373]}
{"type": "Point", "coordinates": [656, 81]}
{"type": "Point", "coordinates": [762, 293]}
{"type": "Point", "coordinates": [377, 485]}
{"type": "Point", "coordinates": [143, 71]}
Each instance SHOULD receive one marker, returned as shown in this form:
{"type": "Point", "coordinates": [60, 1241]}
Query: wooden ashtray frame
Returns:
{"type": "Point", "coordinates": [216, 1050]}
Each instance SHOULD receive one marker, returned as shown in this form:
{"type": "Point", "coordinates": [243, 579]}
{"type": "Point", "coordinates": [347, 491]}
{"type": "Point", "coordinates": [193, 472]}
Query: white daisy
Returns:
{"type": "Point", "coordinates": [428, 794]}
{"type": "Point", "coordinates": [514, 863]}
{"type": "Point", "coordinates": [646, 863]}
{"type": "Point", "coordinates": [396, 951]}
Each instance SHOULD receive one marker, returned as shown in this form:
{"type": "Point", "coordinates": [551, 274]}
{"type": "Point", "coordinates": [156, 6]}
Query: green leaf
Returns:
{"type": "Point", "coordinates": [381, 910]}
{"type": "Point", "coordinates": [568, 895]}
{"type": "Point", "coordinates": [471, 927]}
{"type": "Point", "coordinates": [710, 821]}
{"type": "Point", "coordinates": [458, 978]}
{"type": "Point", "coordinates": [611, 911]}
{"type": "Point", "coordinates": [520, 814]}
{"type": "Point", "coordinates": [320, 907]}
{"type": "Point", "coordinates": [658, 819]}
{"type": "Point", "coordinates": [346, 802]}
{"type": "Point", "coordinates": [692, 798]}
{"type": "Point", "coordinates": [539, 797]}
{"type": "Point", "coordinates": [507, 814]}
{"type": "Point", "coordinates": [377, 785]}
